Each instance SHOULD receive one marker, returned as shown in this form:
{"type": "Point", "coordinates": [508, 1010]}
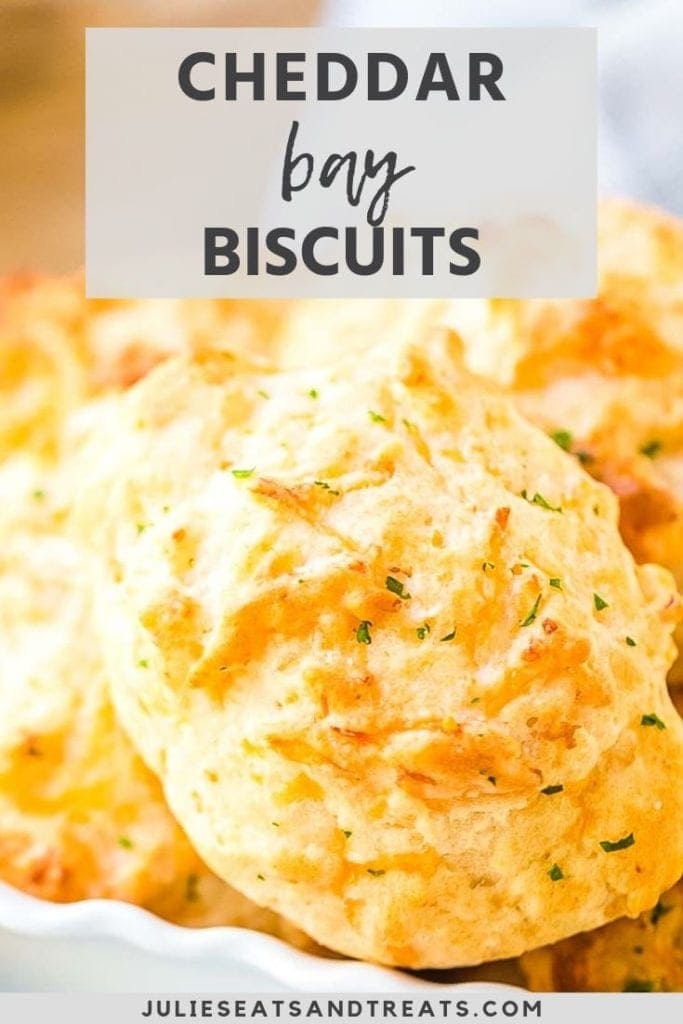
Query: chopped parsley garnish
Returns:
{"type": "Point", "coordinates": [376, 417]}
{"type": "Point", "coordinates": [363, 632]}
{"type": "Point", "coordinates": [143, 663]}
{"type": "Point", "coordinates": [653, 719]}
{"type": "Point", "coordinates": [408, 425]}
{"type": "Point", "coordinates": [275, 824]}
{"type": "Point", "coordinates": [125, 843]}
{"type": "Point", "coordinates": [658, 912]}
{"type": "Point", "coordinates": [313, 393]}
{"type": "Point", "coordinates": [347, 832]}
{"type": "Point", "coordinates": [621, 844]}
{"type": "Point", "coordinates": [562, 438]}
{"type": "Point", "coordinates": [241, 474]}
{"type": "Point", "coordinates": [585, 458]}
{"type": "Point", "coordinates": [638, 985]}
{"type": "Point", "coordinates": [396, 587]}
{"type": "Point", "coordinates": [630, 641]}
{"type": "Point", "coordinates": [423, 631]}
{"type": "Point", "coordinates": [376, 872]}
{"type": "Point", "coordinates": [325, 486]}
{"type": "Point", "coordinates": [556, 873]}
{"type": "Point", "coordinates": [542, 502]}
{"type": "Point", "coordinates": [599, 602]}
{"type": "Point", "coordinates": [651, 449]}
{"type": "Point", "coordinates": [556, 582]}
{"type": "Point", "coordinates": [531, 617]}
{"type": "Point", "coordinates": [262, 394]}
{"type": "Point", "coordinates": [38, 494]}
{"type": "Point", "coordinates": [261, 878]}
{"type": "Point", "coordinates": [550, 790]}
{"type": "Point", "coordinates": [140, 527]}
{"type": "Point", "coordinates": [191, 888]}
{"type": "Point", "coordinates": [449, 636]}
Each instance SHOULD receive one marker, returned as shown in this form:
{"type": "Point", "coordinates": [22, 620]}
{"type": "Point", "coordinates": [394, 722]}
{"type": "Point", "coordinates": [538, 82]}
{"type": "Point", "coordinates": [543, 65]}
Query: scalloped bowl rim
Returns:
{"type": "Point", "coordinates": [111, 919]}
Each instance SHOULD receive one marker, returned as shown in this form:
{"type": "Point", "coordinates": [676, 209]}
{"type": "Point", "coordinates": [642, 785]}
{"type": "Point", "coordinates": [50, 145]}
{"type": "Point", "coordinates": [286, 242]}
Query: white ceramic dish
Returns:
{"type": "Point", "coordinates": [108, 946]}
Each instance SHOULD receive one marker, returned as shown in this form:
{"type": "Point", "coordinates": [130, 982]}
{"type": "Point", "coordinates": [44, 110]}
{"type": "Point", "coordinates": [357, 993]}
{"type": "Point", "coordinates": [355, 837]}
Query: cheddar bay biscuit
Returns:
{"type": "Point", "coordinates": [382, 643]}
{"type": "Point", "coordinates": [59, 349]}
{"type": "Point", "coordinates": [641, 955]}
{"type": "Point", "coordinates": [605, 375]}
{"type": "Point", "coordinates": [80, 814]}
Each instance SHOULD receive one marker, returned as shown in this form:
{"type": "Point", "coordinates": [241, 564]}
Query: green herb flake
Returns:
{"type": "Point", "coordinates": [542, 502]}
{"type": "Point", "coordinates": [313, 393]}
{"type": "Point", "coordinates": [563, 439]}
{"type": "Point", "coordinates": [651, 449]}
{"type": "Point", "coordinates": [363, 632]}
{"type": "Point", "coordinates": [191, 888]}
{"type": "Point", "coordinates": [653, 719]}
{"type": "Point", "coordinates": [531, 617]}
{"type": "Point", "coordinates": [262, 394]}
{"type": "Point", "coordinates": [261, 878]}
{"type": "Point", "coordinates": [556, 582]}
{"type": "Point", "coordinates": [620, 844]}
{"type": "Point", "coordinates": [599, 602]}
{"type": "Point", "coordinates": [347, 832]}
{"type": "Point", "coordinates": [140, 527]}
{"type": "Point", "coordinates": [658, 912]}
{"type": "Point", "coordinates": [376, 417]}
{"type": "Point", "coordinates": [38, 494]}
{"type": "Point", "coordinates": [638, 985]}
{"type": "Point", "coordinates": [275, 824]}
{"type": "Point", "coordinates": [551, 790]}
{"type": "Point", "coordinates": [125, 843]}
{"type": "Point", "coordinates": [423, 631]}
{"type": "Point", "coordinates": [630, 641]}
{"type": "Point", "coordinates": [325, 486]}
{"type": "Point", "coordinates": [396, 587]}
{"type": "Point", "coordinates": [376, 872]}
{"type": "Point", "coordinates": [475, 700]}
{"type": "Point", "coordinates": [242, 474]}
{"type": "Point", "coordinates": [143, 663]}
{"type": "Point", "coordinates": [556, 874]}
{"type": "Point", "coordinates": [449, 636]}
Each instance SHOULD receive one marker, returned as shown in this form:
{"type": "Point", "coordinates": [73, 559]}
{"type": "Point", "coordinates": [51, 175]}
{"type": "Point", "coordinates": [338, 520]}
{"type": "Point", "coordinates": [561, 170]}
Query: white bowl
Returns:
{"type": "Point", "coordinates": [103, 945]}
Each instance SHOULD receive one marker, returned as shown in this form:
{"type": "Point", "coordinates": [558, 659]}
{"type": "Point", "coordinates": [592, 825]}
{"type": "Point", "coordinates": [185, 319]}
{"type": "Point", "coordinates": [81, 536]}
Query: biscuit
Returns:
{"type": "Point", "coordinates": [58, 349]}
{"type": "Point", "coordinates": [645, 955]}
{"type": "Point", "coordinates": [605, 375]}
{"type": "Point", "coordinates": [383, 644]}
{"type": "Point", "coordinates": [80, 814]}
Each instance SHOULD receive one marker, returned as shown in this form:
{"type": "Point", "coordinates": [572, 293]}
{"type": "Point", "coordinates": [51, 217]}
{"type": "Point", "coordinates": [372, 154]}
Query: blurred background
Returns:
{"type": "Point", "coordinates": [42, 45]}
{"type": "Point", "coordinates": [42, 93]}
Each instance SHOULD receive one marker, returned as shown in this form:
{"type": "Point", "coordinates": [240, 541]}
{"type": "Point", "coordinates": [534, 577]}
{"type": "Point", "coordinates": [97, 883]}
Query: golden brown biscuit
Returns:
{"type": "Point", "coordinates": [605, 376]}
{"type": "Point", "coordinates": [80, 814]}
{"type": "Point", "coordinates": [645, 955]}
{"type": "Point", "coordinates": [58, 349]}
{"type": "Point", "coordinates": [384, 646]}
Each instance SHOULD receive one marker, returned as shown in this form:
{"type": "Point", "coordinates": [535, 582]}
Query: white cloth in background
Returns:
{"type": "Point", "coordinates": [641, 74]}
